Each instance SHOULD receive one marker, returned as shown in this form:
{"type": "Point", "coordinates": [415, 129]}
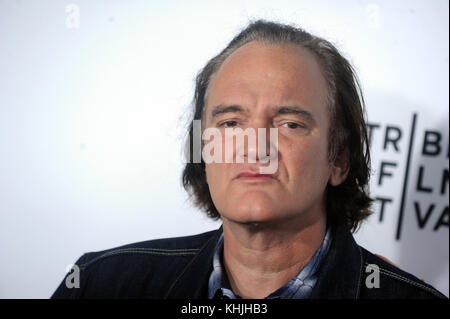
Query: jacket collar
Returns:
{"type": "Point", "coordinates": [193, 281]}
{"type": "Point", "coordinates": [342, 269]}
{"type": "Point", "coordinates": [339, 277]}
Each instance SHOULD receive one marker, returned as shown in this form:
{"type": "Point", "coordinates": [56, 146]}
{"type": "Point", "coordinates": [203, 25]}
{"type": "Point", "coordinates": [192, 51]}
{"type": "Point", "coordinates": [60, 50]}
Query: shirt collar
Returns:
{"type": "Point", "coordinates": [299, 287]}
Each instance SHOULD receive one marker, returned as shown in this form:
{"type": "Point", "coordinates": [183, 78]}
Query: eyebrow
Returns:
{"type": "Point", "coordinates": [296, 110]}
{"type": "Point", "coordinates": [221, 109]}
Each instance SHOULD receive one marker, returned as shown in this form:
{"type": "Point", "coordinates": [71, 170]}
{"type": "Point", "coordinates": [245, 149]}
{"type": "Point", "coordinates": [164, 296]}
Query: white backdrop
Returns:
{"type": "Point", "coordinates": [93, 98]}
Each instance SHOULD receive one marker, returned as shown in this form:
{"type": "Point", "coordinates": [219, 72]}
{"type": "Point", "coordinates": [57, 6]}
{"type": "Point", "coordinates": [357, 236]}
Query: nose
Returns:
{"type": "Point", "coordinates": [256, 144]}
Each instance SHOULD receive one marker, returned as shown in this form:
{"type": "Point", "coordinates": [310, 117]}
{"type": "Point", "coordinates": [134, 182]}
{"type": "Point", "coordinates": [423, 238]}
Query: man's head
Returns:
{"type": "Point", "coordinates": [273, 75]}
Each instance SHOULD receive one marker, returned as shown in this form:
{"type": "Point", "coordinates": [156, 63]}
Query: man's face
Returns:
{"type": "Point", "coordinates": [267, 86]}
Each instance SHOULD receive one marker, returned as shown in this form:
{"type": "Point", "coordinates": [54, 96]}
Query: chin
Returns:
{"type": "Point", "coordinates": [253, 208]}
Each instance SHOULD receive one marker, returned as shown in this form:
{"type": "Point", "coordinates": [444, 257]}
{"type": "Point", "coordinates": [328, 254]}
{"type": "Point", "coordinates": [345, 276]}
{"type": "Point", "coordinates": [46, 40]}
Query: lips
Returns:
{"type": "Point", "coordinates": [254, 176]}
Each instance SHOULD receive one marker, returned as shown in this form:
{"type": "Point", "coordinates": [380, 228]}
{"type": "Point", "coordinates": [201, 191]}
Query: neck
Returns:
{"type": "Point", "coordinates": [259, 258]}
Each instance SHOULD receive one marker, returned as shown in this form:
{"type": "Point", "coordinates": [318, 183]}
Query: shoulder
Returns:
{"type": "Point", "coordinates": [169, 247]}
{"type": "Point", "coordinates": [384, 280]}
{"type": "Point", "coordinates": [129, 271]}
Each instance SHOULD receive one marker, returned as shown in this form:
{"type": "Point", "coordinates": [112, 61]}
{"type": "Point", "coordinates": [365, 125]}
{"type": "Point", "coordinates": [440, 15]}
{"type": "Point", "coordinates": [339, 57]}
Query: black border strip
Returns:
{"type": "Point", "coordinates": [405, 180]}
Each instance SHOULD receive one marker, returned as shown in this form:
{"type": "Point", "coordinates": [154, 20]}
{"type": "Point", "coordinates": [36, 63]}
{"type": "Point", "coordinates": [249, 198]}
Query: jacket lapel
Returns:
{"type": "Point", "coordinates": [341, 272]}
{"type": "Point", "coordinates": [193, 281]}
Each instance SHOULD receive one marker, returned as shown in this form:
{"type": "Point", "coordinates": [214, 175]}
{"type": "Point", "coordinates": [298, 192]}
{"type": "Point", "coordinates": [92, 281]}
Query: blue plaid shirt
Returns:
{"type": "Point", "coordinates": [299, 287]}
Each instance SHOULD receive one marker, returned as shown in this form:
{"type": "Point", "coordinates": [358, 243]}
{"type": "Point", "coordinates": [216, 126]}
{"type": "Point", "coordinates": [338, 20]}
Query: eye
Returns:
{"type": "Point", "coordinates": [292, 125]}
{"type": "Point", "coordinates": [228, 124]}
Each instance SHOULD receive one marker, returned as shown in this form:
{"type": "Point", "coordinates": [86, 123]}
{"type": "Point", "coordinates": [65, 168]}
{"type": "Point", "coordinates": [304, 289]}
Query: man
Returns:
{"type": "Point", "coordinates": [284, 234]}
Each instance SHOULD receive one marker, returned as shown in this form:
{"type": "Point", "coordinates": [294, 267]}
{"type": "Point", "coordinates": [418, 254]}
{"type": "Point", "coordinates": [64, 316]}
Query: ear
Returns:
{"type": "Point", "coordinates": [340, 168]}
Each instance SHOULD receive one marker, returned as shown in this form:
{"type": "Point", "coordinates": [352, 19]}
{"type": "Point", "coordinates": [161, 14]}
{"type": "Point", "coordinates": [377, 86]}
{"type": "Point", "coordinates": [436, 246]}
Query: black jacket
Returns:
{"type": "Point", "coordinates": [180, 268]}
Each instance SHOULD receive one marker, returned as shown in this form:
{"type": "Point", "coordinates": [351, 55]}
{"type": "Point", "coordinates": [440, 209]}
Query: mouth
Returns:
{"type": "Point", "coordinates": [256, 177]}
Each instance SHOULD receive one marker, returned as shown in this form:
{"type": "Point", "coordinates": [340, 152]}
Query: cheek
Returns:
{"type": "Point", "coordinates": [306, 160]}
{"type": "Point", "coordinates": [214, 175]}
{"type": "Point", "coordinates": [209, 171]}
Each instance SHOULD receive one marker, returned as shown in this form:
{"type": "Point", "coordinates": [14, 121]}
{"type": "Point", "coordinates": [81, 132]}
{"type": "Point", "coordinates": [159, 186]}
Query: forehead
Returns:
{"type": "Point", "coordinates": [260, 75]}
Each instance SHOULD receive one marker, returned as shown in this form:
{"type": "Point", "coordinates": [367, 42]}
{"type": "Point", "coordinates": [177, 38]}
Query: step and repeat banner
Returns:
{"type": "Point", "coordinates": [410, 186]}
